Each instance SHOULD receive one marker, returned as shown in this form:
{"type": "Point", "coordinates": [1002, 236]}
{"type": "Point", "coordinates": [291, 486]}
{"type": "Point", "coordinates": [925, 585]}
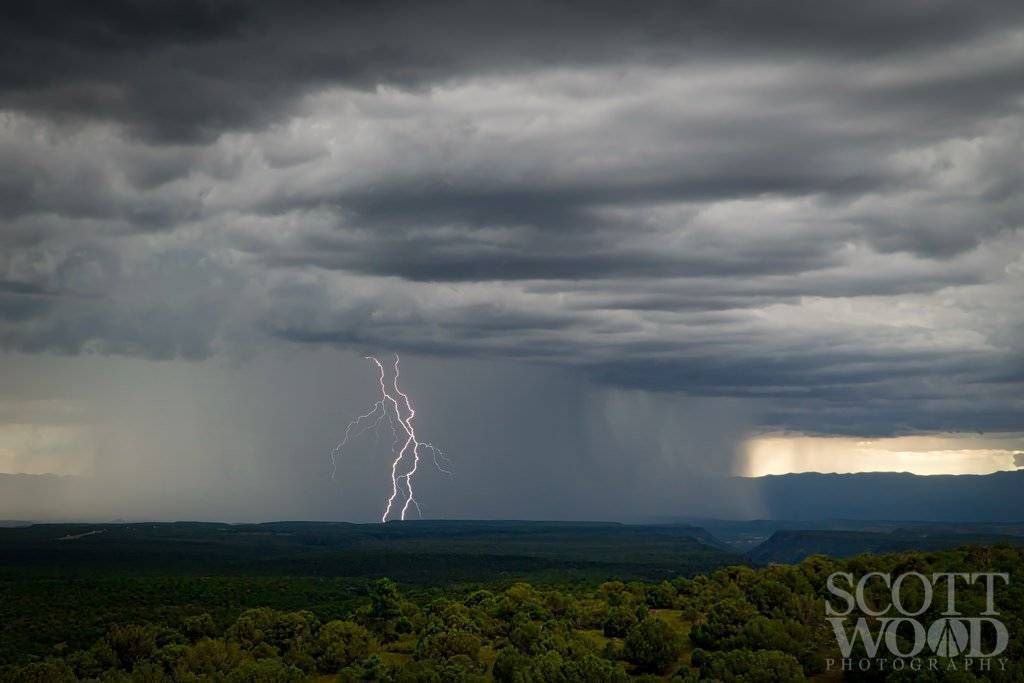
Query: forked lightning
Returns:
{"type": "Point", "coordinates": [396, 409]}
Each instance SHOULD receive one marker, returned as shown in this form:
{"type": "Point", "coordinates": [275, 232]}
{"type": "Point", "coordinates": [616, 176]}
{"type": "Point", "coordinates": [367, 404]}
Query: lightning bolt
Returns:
{"type": "Point", "coordinates": [394, 408]}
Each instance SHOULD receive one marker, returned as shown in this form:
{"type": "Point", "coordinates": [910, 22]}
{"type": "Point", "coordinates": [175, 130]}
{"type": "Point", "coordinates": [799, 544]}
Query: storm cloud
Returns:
{"type": "Point", "coordinates": [809, 210]}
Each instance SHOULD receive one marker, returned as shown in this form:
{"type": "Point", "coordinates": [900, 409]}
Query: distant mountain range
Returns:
{"type": "Point", "coordinates": [889, 496]}
{"type": "Point", "coordinates": [804, 514]}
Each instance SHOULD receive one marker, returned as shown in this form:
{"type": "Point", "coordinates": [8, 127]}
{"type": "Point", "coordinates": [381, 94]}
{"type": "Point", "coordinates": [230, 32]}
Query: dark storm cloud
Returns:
{"type": "Point", "coordinates": [169, 305]}
{"type": "Point", "coordinates": [536, 258]}
{"type": "Point", "coordinates": [21, 301]}
{"type": "Point", "coordinates": [241, 64]}
{"type": "Point", "coordinates": [813, 205]}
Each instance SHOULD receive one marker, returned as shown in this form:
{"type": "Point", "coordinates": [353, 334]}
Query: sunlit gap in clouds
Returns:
{"type": "Point", "coordinates": [936, 454]}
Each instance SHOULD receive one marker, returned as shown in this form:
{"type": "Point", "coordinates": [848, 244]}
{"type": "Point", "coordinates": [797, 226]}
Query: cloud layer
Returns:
{"type": "Point", "coordinates": [813, 208]}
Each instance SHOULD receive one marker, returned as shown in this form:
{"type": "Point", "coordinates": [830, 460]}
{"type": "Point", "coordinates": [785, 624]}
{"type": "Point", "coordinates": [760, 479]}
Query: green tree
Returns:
{"type": "Point", "coordinates": [265, 671]}
{"type": "Point", "coordinates": [725, 620]}
{"type": "Point", "coordinates": [200, 626]}
{"type": "Point", "coordinates": [526, 636]}
{"type": "Point", "coordinates": [209, 657]}
{"type": "Point", "coordinates": [511, 666]}
{"type": "Point", "coordinates": [593, 669]}
{"type": "Point", "coordinates": [132, 643]}
{"type": "Point", "coordinates": [448, 644]}
{"type": "Point", "coordinates": [653, 646]}
{"type": "Point", "coordinates": [149, 672]}
{"type": "Point", "coordinates": [373, 668]}
{"type": "Point", "coordinates": [748, 666]}
{"type": "Point", "coordinates": [342, 643]}
{"type": "Point", "coordinates": [619, 620]}
{"type": "Point", "coordinates": [49, 671]}
{"type": "Point", "coordinates": [385, 600]}
{"type": "Point", "coordinates": [661, 596]}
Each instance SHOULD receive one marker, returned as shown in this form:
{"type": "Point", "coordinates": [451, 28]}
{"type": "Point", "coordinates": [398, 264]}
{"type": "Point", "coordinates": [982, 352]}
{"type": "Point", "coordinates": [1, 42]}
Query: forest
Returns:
{"type": "Point", "coordinates": [735, 623]}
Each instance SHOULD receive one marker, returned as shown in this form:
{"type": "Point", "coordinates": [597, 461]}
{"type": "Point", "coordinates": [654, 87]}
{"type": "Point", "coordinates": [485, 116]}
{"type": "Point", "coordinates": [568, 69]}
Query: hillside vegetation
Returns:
{"type": "Point", "coordinates": [733, 624]}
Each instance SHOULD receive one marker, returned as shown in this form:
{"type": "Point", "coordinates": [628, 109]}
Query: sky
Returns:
{"type": "Point", "coordinates": [621, 252]}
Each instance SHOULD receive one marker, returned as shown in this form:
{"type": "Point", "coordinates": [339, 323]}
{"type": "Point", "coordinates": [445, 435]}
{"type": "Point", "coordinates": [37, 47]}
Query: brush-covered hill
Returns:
{"type": "Point", "coordinates": [414, 551]}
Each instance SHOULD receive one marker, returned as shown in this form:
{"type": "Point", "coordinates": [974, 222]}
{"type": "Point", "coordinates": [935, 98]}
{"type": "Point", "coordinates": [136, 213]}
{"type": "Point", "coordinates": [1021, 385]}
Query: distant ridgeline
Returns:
{"type": "Point", "coordinates": [808, 496]}
{"type": "Point", "coordinates": [889, 495]}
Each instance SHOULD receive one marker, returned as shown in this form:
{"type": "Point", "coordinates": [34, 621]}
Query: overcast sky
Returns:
{"type": "Point", "coordinates": [613, 245]}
